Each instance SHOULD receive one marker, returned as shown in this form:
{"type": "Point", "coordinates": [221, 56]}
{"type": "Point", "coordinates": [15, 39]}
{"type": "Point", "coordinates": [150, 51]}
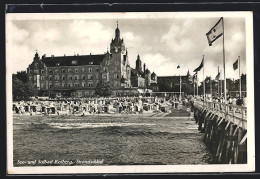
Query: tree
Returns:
{"type": "Point", "coordinates": [22, 75]}
{"type": "Point", "coordinates": [22, 90]}
{"type": "Point", "coordinates": [103, 89]}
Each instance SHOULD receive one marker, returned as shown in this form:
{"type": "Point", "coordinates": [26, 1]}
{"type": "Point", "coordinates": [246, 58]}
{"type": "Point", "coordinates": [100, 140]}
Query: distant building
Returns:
{"type": "Point", "coordinates": [172, 83]}
{"type": "Point", "coordinates": [78, 75]}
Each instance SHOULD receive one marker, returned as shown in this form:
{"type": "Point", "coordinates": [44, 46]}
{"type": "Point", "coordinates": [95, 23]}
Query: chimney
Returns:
{"type": "Point", "coordinates": [89, 53]}
{"type": "Point", "coordinates": [77, 54]}
{"type": "Point", "coordinates": [52, 56]}
{"type": "Point", "coordinates": [64, 55]}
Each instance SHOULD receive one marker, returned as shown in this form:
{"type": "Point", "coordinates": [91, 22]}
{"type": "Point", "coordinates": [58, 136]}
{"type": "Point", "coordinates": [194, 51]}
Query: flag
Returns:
{"type": "Point", "coordinates": [235, 65]}
{"type": "Point", "coordinates": [178, 66]}
{"type": "Point", "coordinates": [199, 68]}
{"type": "Point", "coordinates": [215, 32]}
{"type": "Point", "coordinates": [217, 77]}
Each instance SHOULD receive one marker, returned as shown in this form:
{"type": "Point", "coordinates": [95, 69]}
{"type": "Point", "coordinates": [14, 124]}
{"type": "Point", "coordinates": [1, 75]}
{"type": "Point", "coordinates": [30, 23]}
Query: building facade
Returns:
{"type": "Point", "coordinates": [78, 75]}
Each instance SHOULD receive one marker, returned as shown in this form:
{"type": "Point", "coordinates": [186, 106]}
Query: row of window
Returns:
{"type": "Point", "coordinates": [75, 77]}
{"type": "Point", "coordinates": [90, 77]}
{"type": "Point", "coordinates": [90, 70]}
{"type": "Point", "coordinates": [90, 84]}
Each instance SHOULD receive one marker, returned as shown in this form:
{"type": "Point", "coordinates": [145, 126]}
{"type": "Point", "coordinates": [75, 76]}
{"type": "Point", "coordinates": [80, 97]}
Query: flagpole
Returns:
{"type": "Point", "coordinates": [210, 86]}
{"type": "Point", "coordinates": [203, 79]}
{"type": "Point", "coordinates": [240, 93]}
{"type": "Point", "coordinates": [224, 63]}
{"type": "Point", "coordinates": [197, 80]}
{"type": "Point", "coordinates": [220, 85]}
{"type": "Point", "coordinates": [193, 87]}
{"type": "Point", "coordinates": [218, 80]}
{"type": "Point", "coordinates": [180, 86]}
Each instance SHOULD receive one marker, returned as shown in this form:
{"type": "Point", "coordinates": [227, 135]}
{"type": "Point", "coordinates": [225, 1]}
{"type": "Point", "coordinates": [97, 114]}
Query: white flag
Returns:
{"type": "Point", "coordinates": [215, 32]}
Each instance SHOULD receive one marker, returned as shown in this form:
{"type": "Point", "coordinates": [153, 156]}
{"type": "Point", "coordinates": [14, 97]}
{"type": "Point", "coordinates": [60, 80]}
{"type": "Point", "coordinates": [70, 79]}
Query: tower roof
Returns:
{"type": "Point", "coordinates": [138, 57]}
{"type": "Point", "coordinates": [188, 73]}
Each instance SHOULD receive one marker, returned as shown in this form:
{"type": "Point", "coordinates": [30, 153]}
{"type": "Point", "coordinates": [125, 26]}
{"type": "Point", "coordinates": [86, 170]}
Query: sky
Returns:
{"type": "Point", "coordinates": [162, 43]}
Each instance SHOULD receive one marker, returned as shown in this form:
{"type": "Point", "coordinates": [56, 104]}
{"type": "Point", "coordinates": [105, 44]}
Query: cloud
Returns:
{"type": "Point", "coordinates": [18, 34]}
{"type": "Point", "coordinates": [91, 32]}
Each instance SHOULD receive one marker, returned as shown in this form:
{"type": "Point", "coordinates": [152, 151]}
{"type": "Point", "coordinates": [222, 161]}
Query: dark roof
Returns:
{"type": "Point", "coordinates": [67, 60]}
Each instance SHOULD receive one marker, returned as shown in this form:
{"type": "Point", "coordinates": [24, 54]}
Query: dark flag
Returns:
{"type": "Point", "coordinates": [215, 32]}
{"type": "Point", "coordinates": [178, 66]}
{"type": "Point", "coordinates": [217, 77]}
{"type": "Point", "coordinates": [235, 65]}
{"type": "Point", "coordinates": [199, 68]}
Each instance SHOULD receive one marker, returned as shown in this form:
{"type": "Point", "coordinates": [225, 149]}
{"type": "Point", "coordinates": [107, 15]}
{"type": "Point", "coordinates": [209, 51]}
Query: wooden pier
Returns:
{"type": "Point", "coordinates": [225, 128]}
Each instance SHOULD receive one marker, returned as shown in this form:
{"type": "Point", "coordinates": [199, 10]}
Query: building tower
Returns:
{"type": "Point", "coordinates": [138, 63]}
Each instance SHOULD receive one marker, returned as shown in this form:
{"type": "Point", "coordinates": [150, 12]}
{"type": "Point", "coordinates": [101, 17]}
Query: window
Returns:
{"type": "Point", "coordinates": [97, 69]}
{"type": "Point", "coordinates": [36, 71]}
{"type": "Point", "coordinates": [69, 85]}
{"type": "Point", "coordinates": [96, 76]}
{"type": "Point", "coordinates": [75, 77]}
{"type": "Point", "coordinates": [70, 78]}
{"type": "Point", "coordinates": [90, 77]}
{"type": "Point", "coordinates": [83, 69]}
{"type": "Point", "coordinates": [105, 69]}
{"type": "Point", "coordinates": [83, 77]}
{"type": "Point", "coordinates": [63, 84]}
{"type": "Point", "coordinates": [76, 70]}
{"type": "Point", "coordinates": [57, 84]}
{"type": "Point", "coordinates": [50, 71]}
{"type": "Point", "coordinates": [50, 85]}
{"type": "Point", "coordinates": [63, 71]}
{"type": "Point", "coordinates": [56, 71]}
{"type": "Point", "coordinates": [42, 71]}
{"type": "Point", "coordinates": [57, 77]}
{"type": "Point", "coordinates": [90, 84]}
{"type": "Point", "coordinates": [63, 77]}
{"type": "Point", "coordinates": [90, 70]}
{"type": "Point", "coordinates": [69, 70]}
{"type": "Point", "coordinates": [50, 78]}
{"type": "Point", "coordinates": [76, 84]}
{"type": "Point", "coordinates": [83, 84]}
{"type": "Point", "coordinates": [42, 85]}
{"type": "Point", "coordinates": [42, 77]}
{"type": "Point", "coordinates": [36, 64]}
{"type": "Point", "coordinates": [74, 62]}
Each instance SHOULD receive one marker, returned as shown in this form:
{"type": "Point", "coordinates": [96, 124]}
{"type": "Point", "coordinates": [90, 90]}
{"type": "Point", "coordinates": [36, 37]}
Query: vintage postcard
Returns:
{"type": "Point", "coordinates": [135, 92]}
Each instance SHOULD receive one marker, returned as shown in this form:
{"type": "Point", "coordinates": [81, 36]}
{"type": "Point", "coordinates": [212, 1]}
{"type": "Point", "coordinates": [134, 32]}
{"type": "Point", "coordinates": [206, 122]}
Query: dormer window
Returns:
{"type": "Point", "coordinates": [74, 62]}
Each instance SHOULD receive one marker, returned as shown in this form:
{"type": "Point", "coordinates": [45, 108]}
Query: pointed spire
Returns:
{"type": "Point", "coordinates": [36, 54]}
{"type": "Point", "coordinates": [188, 73]}
{"type": "Point", "coordinates": [117, 23]}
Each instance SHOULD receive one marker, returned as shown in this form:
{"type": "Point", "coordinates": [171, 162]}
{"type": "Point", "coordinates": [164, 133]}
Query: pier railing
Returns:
{"type": "Point", "coordinates": [230, 113]}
